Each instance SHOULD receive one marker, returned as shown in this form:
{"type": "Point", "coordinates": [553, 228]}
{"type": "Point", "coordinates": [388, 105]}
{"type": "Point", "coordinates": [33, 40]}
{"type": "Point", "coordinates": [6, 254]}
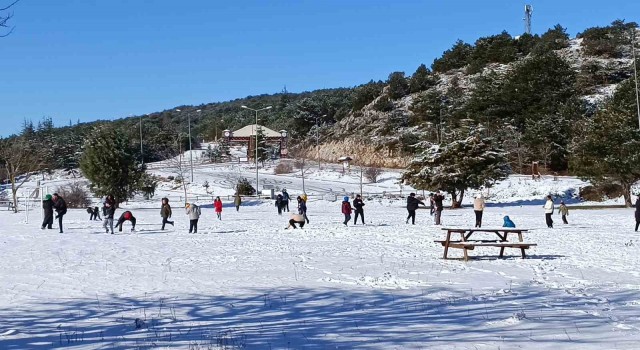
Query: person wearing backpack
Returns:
{"type": "Point", "coordinates": [126, 216]}
{"type": "Point", "coordinates": [194, 214]}
{"type": "Point", "coordinates": [346, 210]}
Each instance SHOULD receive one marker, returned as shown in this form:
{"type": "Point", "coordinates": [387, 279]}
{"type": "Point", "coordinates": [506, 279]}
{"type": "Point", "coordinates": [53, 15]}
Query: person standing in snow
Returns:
{"type": "Point", "coordinates": [194, 214]}
{"type": "Point", "coordinates": [109, 213]}
{"type": "Point", "coordinates": [126, 216]}
{"type": "Point", "coordinates": [564, 211]}
{"type": "Point", "coordinates": [358, 204]}
{"type": "Point", "coordinates": [438, 198]}
{"type": "Point", "coordinates": [478, 208]}
{"type": "Point", "coordinates": [237, 200]}
{"type": "Point", "coordinates": [548, 211]}
{"type": "Point", "coordinates": [47, 205]}
{"type": "Point", "coordinates": [279, 203]}
{"type": "Point", "coordinates": [285, 198]}
{"type": "Point", "coordinates": [217, 205]}
{"type": "Point", "coordinates": [304, 204]}
{"type": "Point", "coordinates": [412, 206]}
{"type": "Point", "coordinates": [432, 205]}
{"type": "Point", "coordinates": [637, 214]}
{"type": "Point", "coordinates": [165, 212]}
{"type": "Point", "coordinates": [61, 208]}
{"type": "Point", "coordinates": [346, 210]}
{"type": "Point", "coordinates": [302, 208]}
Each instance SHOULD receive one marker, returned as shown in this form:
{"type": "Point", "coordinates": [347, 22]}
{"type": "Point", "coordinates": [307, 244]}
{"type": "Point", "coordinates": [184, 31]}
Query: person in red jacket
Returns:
{"type": "Point", "coordinates": [217, 205]}
{"type": "Point", "coordinates": [346, 210]}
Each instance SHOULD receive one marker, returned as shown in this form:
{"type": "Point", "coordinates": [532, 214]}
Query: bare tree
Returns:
{"type": "Point", "coordinates": [300, 163]}
{"type": "Point", "coordinates": [20, 158]}
{"type": "Point", "coordinates": [178, 165]}
{"type": "Point", "coordinates": [5, 16]}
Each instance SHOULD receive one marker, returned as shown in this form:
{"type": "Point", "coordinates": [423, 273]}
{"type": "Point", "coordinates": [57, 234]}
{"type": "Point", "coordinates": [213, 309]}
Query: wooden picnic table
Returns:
{"type": "Point", "coordinates": [466, 244]}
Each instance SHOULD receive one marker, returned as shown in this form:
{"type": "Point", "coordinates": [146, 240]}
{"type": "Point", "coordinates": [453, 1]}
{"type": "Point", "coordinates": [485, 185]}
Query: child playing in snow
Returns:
{"type": "Point", "coordinates": [346, 210]}
{"type": "Point", "coordinates": [217, 205]}
{"type": "Point", "coordinates": [508, 222]}
{"type": "Point", "coordinates": [126, 216]}
{"type": "Point", "coordinates": [564, 211]}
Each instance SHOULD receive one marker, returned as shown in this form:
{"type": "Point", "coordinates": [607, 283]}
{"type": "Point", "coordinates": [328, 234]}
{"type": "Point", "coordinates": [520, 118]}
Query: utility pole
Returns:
{"type": "Point", "coordinates": [635, 71]}
{"type": "Point", "coordinates": [141, 151]}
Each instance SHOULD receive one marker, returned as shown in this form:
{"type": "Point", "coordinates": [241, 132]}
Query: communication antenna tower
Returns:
{"type": "Point", "coordinates": [528, 12]}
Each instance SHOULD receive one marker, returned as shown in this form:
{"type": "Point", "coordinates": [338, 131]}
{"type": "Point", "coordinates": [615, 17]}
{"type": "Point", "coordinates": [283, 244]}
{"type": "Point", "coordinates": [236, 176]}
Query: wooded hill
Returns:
{"type": "Point", "coordinates": [533, 93]}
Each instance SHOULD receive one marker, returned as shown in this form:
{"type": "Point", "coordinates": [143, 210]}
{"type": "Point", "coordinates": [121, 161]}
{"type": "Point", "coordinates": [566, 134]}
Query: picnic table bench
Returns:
{"type": "Point", "coordinates": [466, 244]}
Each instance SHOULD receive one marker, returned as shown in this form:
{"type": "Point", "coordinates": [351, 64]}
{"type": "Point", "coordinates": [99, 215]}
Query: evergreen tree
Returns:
{"type": "Point", "coordinates": [109, 162]}
{"type": "Point", "coordinates": [398, 85]}
{"type": "Point", "coordinates": [473, 162]}
{"type": "Point", "coordinates": [422, 79]}
{"type": "Point", "coordinates": [607, 150]}
{"type": "Point", "coordinates": [456, 57]}
{"type": "Point", "coordinates": [263, 150]}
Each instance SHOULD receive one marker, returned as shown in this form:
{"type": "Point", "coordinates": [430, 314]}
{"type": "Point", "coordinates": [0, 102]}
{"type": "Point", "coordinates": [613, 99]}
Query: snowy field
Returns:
{"type": "Point", "coordinates": [247, 283]}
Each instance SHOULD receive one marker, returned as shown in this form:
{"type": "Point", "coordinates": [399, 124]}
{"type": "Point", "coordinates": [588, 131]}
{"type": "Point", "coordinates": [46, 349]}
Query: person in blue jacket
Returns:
{"type": "Point", "coordinates": [508, 222]}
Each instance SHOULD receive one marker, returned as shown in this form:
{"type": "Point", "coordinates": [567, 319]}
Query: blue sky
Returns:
{"type": "Point", "coordinates": [103, 59]}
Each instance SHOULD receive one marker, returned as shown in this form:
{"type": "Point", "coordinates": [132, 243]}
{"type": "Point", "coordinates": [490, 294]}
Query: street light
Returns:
{"type": "Point", "coordinates": [256, 143]}
{"type": "Point", "coordinates": [317, 138]}
{"type": "Point", "coordinates": [190, 153]}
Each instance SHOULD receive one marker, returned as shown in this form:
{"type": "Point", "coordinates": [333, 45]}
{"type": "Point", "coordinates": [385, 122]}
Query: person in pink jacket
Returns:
{"type": "Point", "coordinates": [217, 205]}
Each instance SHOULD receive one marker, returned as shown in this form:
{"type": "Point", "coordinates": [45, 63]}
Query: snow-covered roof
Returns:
{"type": "Point", "coordinates": [250, 130]}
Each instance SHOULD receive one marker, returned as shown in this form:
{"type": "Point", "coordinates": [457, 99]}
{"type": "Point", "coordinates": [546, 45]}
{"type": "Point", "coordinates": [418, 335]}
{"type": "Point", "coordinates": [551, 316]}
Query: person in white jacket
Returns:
{"type": "Point", "coordinates": [478, 208]}
{"type": "Point", "coordinates": [194, 214]}
{"type": "Point", "coordinates": [548, 211]}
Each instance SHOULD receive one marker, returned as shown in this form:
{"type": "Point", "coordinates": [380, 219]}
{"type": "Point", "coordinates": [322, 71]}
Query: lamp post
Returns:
{"type": "Point", "coordinates": [256, 143]}
{"type": "Point", "coordinates": [141, 151]}
{"type": "Point", "coordinates": [190, 153]}
{"type": "Point", "coordinates": [318, 138]}
{"type": "Point", "coordinates": [635, 70]}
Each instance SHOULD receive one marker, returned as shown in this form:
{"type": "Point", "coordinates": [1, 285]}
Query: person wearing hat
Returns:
{"type": "Point", "coordinates": [126, 216]}
{"type": "Point", "coordinates": [303, 204]}
{"type": "Point", "coordinates": [47, 205]}
{"type": "Point", "coordinates": [358, 204]}
{"type": "Point", "coordinates": [346, 210]}
{"type": "Point", "coordinates": [478, 208]}
{"type": "Point", "coordinates": [61, 208]}
{"type": "Point", "coordinates": [412, 206]}
{"type": "Point", "coordinates": [194, 214]}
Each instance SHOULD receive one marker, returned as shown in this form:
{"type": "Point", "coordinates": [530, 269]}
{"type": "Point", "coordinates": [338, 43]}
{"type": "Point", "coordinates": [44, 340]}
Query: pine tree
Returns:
{"type": "Point", "coordinates": [398, 85]}
{"type": "Point", "coordinates": [473, 162]}
{"type": "Point", "coordinates": [109, 162]}
{"type": "Point", "coordinates": [422, 79]}
{"type": "Point", "coordinates": [263, 150]}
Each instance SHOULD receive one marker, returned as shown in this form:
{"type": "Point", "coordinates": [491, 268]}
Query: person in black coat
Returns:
{"type": "Point", "coordinates": [280, 204]}
{"type": "Point", "coordinates": [412, 206]}
{"type": "Point", "coordinates": [61, 208]}
{"type": "Point", "coordinates": [358, 204]}
{"type": "Point", "coordinates": [47, 205]}
{"type": "Point", "coordinates": [637, 213]}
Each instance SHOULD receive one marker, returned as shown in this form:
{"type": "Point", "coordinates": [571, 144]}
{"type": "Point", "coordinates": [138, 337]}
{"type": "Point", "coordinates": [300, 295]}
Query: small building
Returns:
{"type": "Point", "coordinates": [247, 136]}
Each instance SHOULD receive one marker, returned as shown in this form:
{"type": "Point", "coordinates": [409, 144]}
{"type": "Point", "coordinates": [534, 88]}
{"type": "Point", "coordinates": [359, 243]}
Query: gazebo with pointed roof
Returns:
{"type": "Point", "coordinates": [247, 135]}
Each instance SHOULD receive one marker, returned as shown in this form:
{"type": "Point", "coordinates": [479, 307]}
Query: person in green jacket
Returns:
{"type": "Point", "coordinates": [564, 211]}
{"type": "Point", "coordinates": [237, 200]}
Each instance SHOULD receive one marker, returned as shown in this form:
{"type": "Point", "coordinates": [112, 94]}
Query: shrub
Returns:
{"type": "Point", "coordinates": [148, 185]}
{"type": "Point", "coordinates": [283, 168]}
{"type": "Point", "coordinates": [372, 174]}
{"type": "Point", "coordinates": [244, 188]}
{"type": "Point", "coordinates": [383, 104]}
{"type": "Point", "coordinates": [75, 195]}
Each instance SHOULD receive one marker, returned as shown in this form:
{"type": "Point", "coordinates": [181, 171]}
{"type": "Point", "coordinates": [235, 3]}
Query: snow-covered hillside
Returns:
{"type": "Point", "coordinates": [244, 282]}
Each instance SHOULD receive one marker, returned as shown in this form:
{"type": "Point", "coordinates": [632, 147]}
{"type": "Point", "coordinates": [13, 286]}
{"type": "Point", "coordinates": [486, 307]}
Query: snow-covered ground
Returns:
{"type": "Point", "coordinates": [247, 283]}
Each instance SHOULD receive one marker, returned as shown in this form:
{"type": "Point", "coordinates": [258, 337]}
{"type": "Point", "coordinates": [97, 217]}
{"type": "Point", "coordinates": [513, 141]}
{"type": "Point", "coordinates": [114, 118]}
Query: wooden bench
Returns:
{"type": "Point", "coordinates": [467, 244]}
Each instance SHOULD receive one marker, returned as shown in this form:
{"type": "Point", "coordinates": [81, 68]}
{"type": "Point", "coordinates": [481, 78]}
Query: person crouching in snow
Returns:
{"type": "Point", "coordinates": [126, 216]}
{"type": "Point", "coordinates": [194, 214]}
{"type": "Point", "coordinates": [508, 222]}
{"type": "Point", "coordinates": [296, 219]}
{"type": "Point", "coordinates": [94, 213]}
{"type": "Point", "coordinates": [346, 210]}
{"type": "Point", "coordinates": [217, 205]}
{"type": "Point", "coordinates": [109, 212]}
